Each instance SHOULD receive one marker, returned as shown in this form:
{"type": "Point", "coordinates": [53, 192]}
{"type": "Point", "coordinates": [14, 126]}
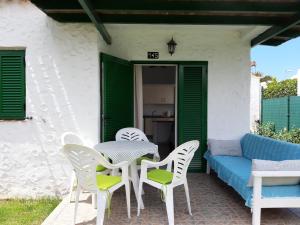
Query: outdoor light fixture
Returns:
{"type": "Point", "coordinates": [171, 46]}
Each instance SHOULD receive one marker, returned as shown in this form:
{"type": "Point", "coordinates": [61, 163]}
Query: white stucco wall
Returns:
{"type": "Point", "coordinates": [62, 77]}
{"type": "Point", "coordinates": [62, 85]}
{"type": "Point", "coordinates": [255, 101]}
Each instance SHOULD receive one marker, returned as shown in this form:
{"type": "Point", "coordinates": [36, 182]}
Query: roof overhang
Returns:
{"type": "Point", "coordinates": [283, 16]}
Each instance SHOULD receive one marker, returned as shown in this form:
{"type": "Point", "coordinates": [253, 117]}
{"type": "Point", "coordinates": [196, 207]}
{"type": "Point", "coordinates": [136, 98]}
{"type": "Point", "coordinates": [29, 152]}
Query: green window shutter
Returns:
{"type": "Point", "coordinates": [192, 113]}
{"type": "Point", "coordinates": [12, 85]}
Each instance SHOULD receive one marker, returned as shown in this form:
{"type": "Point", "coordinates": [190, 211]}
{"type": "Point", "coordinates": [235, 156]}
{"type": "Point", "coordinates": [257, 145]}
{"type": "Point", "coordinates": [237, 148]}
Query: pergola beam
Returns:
{"type": "Point", "coordinates": [239, 5]}
{"type": "Point", "coordinates": [88, 8]}
{"type": "Point", "coordinates": [189, 19]}
{"type": "Point", "coordinates": [217, 5]}
{"type": "Point", "coordinates": [77, 16]}
{"type": "Point", "coordinates": [275, 30]}
{"type": "Point", "coordinates": [280, 15]}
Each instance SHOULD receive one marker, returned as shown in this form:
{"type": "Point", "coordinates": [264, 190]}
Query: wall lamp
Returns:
{"type": "Point", "coordinates": [171, 46]}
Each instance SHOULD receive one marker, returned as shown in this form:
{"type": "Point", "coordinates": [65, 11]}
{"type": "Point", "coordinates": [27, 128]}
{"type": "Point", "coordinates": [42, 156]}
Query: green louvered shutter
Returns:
{"type": "Point", "coordinates": [192, 110]}
{"type": "Point", "coordinates": [12, 85]}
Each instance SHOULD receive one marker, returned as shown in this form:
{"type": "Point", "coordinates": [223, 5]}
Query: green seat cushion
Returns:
{"type": "Point", "coordinates": [160, 176]}
{"type": "Point", "coordinates": [139, 160]}
{"type": "Point", "coordinates": [105, 182]}
{"type": "Point", "coordinates": [100, 168]}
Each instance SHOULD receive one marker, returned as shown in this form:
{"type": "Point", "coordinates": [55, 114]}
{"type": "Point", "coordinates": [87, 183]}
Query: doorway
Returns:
{"type": "Point", "coordinates": [156, 104]}
{"type": "Point", "coordinates": [121, 85]}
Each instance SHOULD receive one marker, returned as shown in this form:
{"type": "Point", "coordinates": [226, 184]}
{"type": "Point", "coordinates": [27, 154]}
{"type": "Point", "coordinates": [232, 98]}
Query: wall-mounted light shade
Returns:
{"type": "Point", "coordinates": [171, 46]}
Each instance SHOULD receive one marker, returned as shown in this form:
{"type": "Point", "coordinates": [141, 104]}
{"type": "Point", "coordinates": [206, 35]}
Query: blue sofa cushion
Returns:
{"type": "Point", "coordinates": [258, 147]}
{"type": "Point", "coordinates": [235, 171]}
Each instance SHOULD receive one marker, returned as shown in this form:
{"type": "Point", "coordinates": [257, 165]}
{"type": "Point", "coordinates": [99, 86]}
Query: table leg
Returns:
{"type": "Point", "coordinates": [115, 172]}
{"type": "Point", "coordinates": [135, 180]}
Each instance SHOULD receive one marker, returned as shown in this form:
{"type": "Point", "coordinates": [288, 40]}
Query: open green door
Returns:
{"type": "Point", "coordinates": [192, 109]}
{"type": "Point", "coordinates": [117, 95]}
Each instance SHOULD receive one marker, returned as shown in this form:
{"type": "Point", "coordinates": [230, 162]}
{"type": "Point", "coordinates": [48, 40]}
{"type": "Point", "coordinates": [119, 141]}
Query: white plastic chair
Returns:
{"type": "Point", "coordinates": [72, 138]}
{"type": "Point", "coordinates": [133, 134]}
{"type": "Point", "coordinates": [84, 161]}
{"type": "Point", "coordinates": [181, 157]}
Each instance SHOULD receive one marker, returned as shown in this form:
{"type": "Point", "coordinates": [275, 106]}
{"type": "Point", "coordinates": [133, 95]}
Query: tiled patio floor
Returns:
{"type": "Point", "coordinates": [213, 203]}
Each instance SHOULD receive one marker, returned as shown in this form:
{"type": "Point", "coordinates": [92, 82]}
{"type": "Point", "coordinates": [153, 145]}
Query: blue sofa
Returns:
{"type": "Point", "coordinates": [235, 171]}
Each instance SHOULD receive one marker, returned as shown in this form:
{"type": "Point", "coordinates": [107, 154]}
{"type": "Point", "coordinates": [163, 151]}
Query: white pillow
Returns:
{"type": "Point", "coordinates": [268, 165]}
{"type": "Point", "coordinates": [225, 147]}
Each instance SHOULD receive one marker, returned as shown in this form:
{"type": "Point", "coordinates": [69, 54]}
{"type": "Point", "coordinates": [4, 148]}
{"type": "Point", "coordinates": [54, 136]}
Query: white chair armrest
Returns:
{"type": "Point", "coordinates": [276, 173]}
{"type": "Point", "coordinates": [148, 163]}
{"type": "Point", "coordinates": [116, 166]}
{"type": "Point", "coordinates": [123, 166]}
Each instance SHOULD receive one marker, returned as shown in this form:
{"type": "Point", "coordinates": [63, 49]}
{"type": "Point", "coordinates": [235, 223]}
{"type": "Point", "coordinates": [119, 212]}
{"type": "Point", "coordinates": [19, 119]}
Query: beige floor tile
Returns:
{"type": "Point", "coordinates": [213, 203]}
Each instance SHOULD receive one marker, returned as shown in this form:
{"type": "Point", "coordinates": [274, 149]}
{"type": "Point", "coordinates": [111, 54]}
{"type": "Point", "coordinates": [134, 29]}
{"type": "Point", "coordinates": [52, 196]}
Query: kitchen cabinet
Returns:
{"type": "Point", "coordinates": [159, 94]}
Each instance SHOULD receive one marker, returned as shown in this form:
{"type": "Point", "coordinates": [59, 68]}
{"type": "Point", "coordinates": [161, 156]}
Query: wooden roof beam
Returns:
{"type": "Point", "coordinates": [80, 16]}
{"type": "Point", "coordinates": [203, 5]}
{"type": "Point", "coordinates": [231, 6]}
{"type": "Point", "coordinates": [88, 8]}
{"type": "Point", "coordinates": [190, 19]}
{"type": "Point", "coordinates": [275, 30]}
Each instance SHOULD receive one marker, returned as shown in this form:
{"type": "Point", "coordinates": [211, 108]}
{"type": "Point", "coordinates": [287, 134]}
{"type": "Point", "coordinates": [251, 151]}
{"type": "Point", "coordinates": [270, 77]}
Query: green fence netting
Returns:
{"type": "Point", "coordinates": [283, 112]}
{"type": "Point", "coordinates": [294, 112]}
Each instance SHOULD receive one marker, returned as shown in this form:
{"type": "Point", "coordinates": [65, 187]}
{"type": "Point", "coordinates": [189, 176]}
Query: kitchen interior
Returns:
{"type": "Point", "coordinates": [159, 95]}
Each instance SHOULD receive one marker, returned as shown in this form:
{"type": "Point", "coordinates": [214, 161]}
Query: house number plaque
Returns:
{"type": "Point", "coordinates": [153, 55]}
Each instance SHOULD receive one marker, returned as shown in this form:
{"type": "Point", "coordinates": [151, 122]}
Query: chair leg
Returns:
{"type": "Point", "coordinates": [140, 197]}
{"type": "Point", "coordinates": [170, 205]}
{"type": "Point", "coordinates": [127, 189]}
{"type": "Point", "coordinates": [72, 185]}
{"type": "Point", "coordinates": [207, 168]}
{"type": "Point", "coordinates": [256, 216]}
{"type": "Point", "coordinates": [187, 194]}
{"type": "Point", "coordinates": [101, 202]}
{"type": "Point", "coordinates": [76, 203]}
{"type": "Point", "coordinates": [94, 200]}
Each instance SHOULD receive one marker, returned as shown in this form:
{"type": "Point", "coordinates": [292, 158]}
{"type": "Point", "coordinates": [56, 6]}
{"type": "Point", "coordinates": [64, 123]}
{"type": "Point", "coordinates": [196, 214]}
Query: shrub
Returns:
{"type": "Point", "coordinates": [268, 130]}
{"type": "Point", "coordinates": [276, 89]}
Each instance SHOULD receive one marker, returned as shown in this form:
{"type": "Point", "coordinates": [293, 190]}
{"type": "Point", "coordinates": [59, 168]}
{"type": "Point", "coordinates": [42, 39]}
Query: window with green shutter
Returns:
{"type": "Point", "coordinates": [12, 84]}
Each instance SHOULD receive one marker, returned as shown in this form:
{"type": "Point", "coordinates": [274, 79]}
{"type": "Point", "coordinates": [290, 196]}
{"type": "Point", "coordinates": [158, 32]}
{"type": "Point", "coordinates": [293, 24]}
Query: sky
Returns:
{"type": "Point", "coordinates": [281, 61]}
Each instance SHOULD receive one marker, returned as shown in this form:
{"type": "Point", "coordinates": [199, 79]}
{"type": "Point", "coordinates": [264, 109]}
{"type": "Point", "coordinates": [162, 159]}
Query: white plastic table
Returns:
{"type": "Point", "coordinates": [129, 151]}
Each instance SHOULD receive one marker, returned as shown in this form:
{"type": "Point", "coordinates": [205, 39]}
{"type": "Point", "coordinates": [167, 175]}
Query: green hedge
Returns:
{"type": "Point", "coordinates": [268, 130]}
{"type": "Point", "coordinates": [277, 89]}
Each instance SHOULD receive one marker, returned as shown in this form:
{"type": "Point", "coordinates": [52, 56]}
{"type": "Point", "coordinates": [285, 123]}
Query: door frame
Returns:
{"type": "Point", "coordinates": [178, 63]}
{"type": "Point", "coordinates": [158, 63]}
